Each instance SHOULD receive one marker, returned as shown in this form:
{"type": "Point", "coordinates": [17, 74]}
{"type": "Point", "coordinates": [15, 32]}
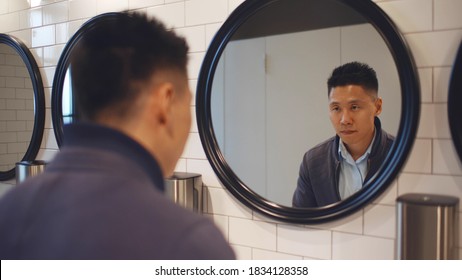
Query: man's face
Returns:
{"type": "Point", "coordinates": [181, 118]}
{"type": "Point", "coordinates": [352, 113]}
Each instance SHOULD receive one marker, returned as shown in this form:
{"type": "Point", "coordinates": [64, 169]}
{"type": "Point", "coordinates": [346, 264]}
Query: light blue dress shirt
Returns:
{"type": "Point", "coordinates": [352, 173]}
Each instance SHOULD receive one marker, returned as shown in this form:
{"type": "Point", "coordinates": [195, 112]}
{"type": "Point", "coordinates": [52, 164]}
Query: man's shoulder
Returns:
{"type": "Point", "coordinates": [322, 148]}
{"type": "Point", "coordinates": [387, 139]}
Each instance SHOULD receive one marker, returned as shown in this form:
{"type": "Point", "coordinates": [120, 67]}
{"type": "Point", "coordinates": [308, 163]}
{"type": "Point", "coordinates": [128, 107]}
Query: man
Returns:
{"type": "Point", "coordinates": [339, 167]}
{"type": "Point", "coordinates": [102, 196]}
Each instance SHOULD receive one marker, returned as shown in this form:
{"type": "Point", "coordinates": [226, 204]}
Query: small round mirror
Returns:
{"type": "Point", "coordinates": [262, 97]}
{"type": "Point", "coordinates": [22, 105]}
{"type": "Point", "coordinates": [454, 100]}
{"type": "Point", "coordinates": [64, 109]}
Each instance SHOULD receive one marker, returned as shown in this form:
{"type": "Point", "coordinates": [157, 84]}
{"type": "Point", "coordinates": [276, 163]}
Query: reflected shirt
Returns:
{"type": "Point", "coordinates": [352, 173]}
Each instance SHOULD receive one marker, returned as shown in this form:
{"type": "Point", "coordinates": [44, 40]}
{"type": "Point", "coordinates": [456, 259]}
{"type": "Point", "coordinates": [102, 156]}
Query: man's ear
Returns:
{"type": "Point", "coordinates": [161, 102]}
{"type": "Point", "coordinates": [378, 106]}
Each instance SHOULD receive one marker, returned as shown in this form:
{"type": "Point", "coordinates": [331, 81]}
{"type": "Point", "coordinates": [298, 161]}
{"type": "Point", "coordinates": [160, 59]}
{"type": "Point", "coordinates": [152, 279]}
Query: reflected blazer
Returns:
{"type": "Point", "coordinates": [102, 198]}
{"type": "Point", "coordinates": [318, 179]}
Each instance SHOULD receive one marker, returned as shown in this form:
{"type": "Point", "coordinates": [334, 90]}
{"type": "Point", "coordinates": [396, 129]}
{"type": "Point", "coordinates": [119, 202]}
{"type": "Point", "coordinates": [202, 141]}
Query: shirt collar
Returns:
{"type": "Point", "coordinates": [345, 155]}
{"type": "Point", "coordinates": [92, 135]}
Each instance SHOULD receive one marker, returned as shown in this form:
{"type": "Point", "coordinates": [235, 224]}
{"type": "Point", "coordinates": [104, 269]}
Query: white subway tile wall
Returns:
{"type": "Point", "coordinates": [303, 241]}
{"type": "Point", "coordinates": [16, 108]}
{"type": "Point", "coordinates": [447, 14]}
{"type": "Point", "coordinates": [433, 29]}
{"type": "Point", "coordinates": [79, 9]}
{"type": "Point", "coordinates": [173, 15]}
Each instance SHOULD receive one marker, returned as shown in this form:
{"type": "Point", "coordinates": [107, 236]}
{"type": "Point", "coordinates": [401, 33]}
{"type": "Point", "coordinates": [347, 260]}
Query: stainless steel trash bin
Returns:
{"type": "Point", "coordinates": [427, 227]}
{"type": "Point", "coordinates": [185, 189]}
{"type": "Point", "coordinates": [25, 169]}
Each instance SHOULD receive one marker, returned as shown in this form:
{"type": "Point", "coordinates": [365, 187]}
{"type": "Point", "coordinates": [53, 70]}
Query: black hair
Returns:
{"type": "Point", "coordinates": [354, 73]}
{"type": "Point", "coordinates": [116, 58]}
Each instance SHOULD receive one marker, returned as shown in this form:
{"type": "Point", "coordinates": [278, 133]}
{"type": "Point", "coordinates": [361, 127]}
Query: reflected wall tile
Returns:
{"type": "Point", "coordinates": [358, 247]}
{"type": "Point", "coordinates": [55, 13]}
{"type": "Point", "coordinates": [447, 14]}
{"type": "Point", "coordinates": [410, 15]}
{"type": "Point", "coordinates": [436, 48]}
{"type": "Point", "coordinates": [380, 220]}
{"type": "Point", "coordinates": [172, 15]}
{"type": "Point", "coordinates": [252, 233]}
{"type": "Point", "coordinates": [445, 158]}
{"type": "Point", "coordinates": [7, 93]}
{"type": "Point", "coordinates": [206, 11]}
{"type": "Point", "coordinates": [441, 79]}
{"type": "Point", "coordinates": [432, 184]}
{"type": "Point", "coordinates": [258, 254]}
{"type": "Point", "coordinates": [30, 18]}
{"type": "Point", "coordinates": [79, 9]}
{"type": "Point", "coordinates": [15, 104]}
{"type": "Point", "coordinates": [222, 203]}
{"type": "Point", "coordinates": [302, 241]}
{"type": "Point", "coordinates": [105, 6]}
{"type": "Point", "coordinates": [426, 79]}
{"type": "Point", "coordinates": [43, 36]}
{"type": "Point", "coordinates": [420, 158]}
{"type": "Point", "coordinates": [12, 82]}
{"type": "Point", "coordinates": [137, 4]}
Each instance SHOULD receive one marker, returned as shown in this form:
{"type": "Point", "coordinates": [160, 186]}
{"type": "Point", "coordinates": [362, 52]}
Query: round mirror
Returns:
{"type": "Point", "coordinates": [454, 100]}
{"type": "Point", "coordinates": [62, 101]}
{"type": "Point", "coordinates": [262, 98]}
{"type": "Point", "coordinates": [22, 105]}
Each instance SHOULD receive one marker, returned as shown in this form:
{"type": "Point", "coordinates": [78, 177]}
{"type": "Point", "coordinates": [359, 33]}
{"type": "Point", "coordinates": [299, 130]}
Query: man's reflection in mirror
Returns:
{"type": "Point", "coordinates": [338, 167]}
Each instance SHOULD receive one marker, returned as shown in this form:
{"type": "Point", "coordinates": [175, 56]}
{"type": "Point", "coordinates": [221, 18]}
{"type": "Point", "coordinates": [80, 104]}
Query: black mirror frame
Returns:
{"type": "Point", "coordinates": [61, 70]}
{"type": "Point", "coordinates": [454, 101]}
{"type": "Point", "coordinates": [410, 113]}
{"type": "Point", "coordinates": [39, 101]}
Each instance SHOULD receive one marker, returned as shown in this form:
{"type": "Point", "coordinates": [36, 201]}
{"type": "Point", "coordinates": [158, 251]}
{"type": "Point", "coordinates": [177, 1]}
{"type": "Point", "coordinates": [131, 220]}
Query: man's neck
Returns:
{"type": "Point", "coordinates": [358, 150]}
